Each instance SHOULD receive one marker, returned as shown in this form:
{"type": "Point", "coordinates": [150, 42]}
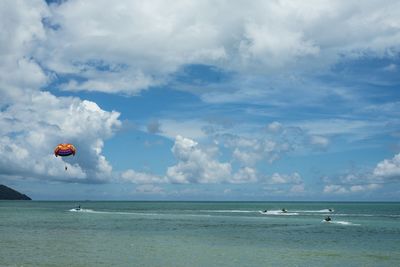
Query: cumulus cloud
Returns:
{"type": "Point", "coordinates": [349, 189]}
{"type": "Point", "coordinates": [386, 171]}
{"type": "Point", "coordinates": [388, 168]}
{"type": "Point", "coordinates": [149, 189]}
{"type": "Point", "coordinates": [284, 184]}
{"type": "Point", "coordinates": [269, 144]}
{"type": "Point", "coordinates": [195, 165]}
{"type": "Point", "coordinates": [32, 122]}
{"type": "Point", "coordinates": [277, 178]}
{"type": "Point", "coordinates": [244, 175]}
{"type": "Point", "coordinates": [250, 150]}
{"type": "Point", "coordinates": [335, 189]}
{"type": "Point", "coordinates": [361, 188]}
{"type": "Point", "coordinates": [31, 127]}
{"type": "Point", "coordinates": [132, 46]}
{"type": "Point", "coordinates": [246, 157]}
{"type": "Point", "coordinates": [21, 28]}
{"type": "Point", "coordinates": [141, 177]}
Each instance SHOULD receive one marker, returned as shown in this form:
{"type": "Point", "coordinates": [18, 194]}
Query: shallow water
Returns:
{"type": "Point", "coordinates": [39, 233]}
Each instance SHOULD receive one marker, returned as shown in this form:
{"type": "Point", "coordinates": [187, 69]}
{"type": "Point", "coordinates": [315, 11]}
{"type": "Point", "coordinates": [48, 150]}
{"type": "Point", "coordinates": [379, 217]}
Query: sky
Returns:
{"type": "Point", "coordinates": [201, 100]}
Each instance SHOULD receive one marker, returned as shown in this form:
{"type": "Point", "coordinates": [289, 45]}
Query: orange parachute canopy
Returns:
{"type": "Point", "coordinates": [64, 150]}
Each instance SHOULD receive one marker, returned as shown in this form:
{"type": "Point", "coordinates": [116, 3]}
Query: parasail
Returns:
{"type": "Point", "coordinates": [65, 150]}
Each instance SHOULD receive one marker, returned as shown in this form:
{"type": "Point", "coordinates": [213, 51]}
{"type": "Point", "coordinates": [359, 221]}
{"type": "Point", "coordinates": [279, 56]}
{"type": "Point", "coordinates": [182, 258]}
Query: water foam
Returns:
{"type": "Point", "coordinates": [341, 223]}
{"type": "Point", "coordinates": [81, 210]}
{"type": "Point", "coordinates": [227, 211]}
{"type": "Point", "coordinates": [135, 213]}
{"type": "Point", "coordinates": [316, 211]}
{"type": "Point", "coordinates": [278, 212]}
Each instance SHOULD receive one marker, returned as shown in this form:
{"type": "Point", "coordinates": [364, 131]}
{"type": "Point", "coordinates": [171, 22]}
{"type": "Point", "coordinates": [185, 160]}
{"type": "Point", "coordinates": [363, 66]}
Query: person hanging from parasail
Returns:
{"type": "Point", "coordinates": [65, 150]}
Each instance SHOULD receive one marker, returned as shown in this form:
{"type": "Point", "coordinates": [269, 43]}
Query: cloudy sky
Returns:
{"type": "Point", "coordinates": [201, 100]}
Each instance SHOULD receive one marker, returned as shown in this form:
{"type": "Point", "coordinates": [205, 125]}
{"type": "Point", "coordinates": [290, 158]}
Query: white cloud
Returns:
{"type": "Point", "coordinates": [149, 189]}
{"type": "Point", "coordinates": [272, 44]}
{"type": "Point", "coordinates": [335, 189]}
{"type": "Point", "coordinates": [277, 178]}
{"type": "Point", "coordinates": [141, 177]}
{"type": "Point", "coordinates": [130, 46]}
{"type": "Point", "coordinates": [388, 168]}
{"type": "Point", "coordinates": [250, 150]}
{"type": "Point", "coordinates": [31, 127]}
{"type": "Point", "coordinates": [321, 130]}
{"type": "Point", "coordinates": [350, 189]}
{"type": "Point", "coordinates": [21, 29]}
{"type": "Point", "coordinates": [361, 188]}
{"type": "Point", "coordinates": [244, 175]}
{"type": "Point", "coordinates": [353, 182]}
{"type": "Point", "coordinates": [33, 122]}
{"type": "Point", "coordinates": [337, 126]}
{"type": "Point", "coordinates": [319, 141]}
{"type": "Point", "coordinates": [246, 157]}
{"type": "Point", "coordinates": [189, 128]}
{"type": "Point", "coordinates": [275, 127]}
{"type": "Point", "coordinates": [195, 165]}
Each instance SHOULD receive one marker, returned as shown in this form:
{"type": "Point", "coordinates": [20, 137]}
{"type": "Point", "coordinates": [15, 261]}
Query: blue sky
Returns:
{"type": "Point", "coordinates": [209, 100]}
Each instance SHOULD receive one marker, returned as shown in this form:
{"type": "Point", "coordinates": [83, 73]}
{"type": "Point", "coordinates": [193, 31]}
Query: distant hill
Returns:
{"type": "Point", "coordinates": [7, 193]}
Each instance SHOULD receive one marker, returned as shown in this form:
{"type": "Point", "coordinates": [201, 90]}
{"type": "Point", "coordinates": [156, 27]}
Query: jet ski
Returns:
{"type": "Point", "coordinates": [78, 208]}
{"type": "Point", "coordinates": [330, 210]}
{"type": "Point", "coordinates": [327, 219]}
{"type": "Point", "coordinates": [284, 210]}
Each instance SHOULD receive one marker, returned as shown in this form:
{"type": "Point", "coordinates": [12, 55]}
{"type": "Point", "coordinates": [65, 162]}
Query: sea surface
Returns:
{"type": "Point", "coordinates": [40, 233]}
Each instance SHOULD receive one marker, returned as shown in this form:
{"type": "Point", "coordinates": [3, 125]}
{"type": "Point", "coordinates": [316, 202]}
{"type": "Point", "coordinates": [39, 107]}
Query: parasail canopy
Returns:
{"type": "Point", "coordinates": [64, 150]}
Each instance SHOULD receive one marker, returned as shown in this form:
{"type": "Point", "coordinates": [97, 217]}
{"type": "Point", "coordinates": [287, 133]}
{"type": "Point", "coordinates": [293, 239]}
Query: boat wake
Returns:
{"type": "Point", "coordinates": [278, 212]}
{"type": "Point", "coordinates": [228, 211]}
{"type": "Point", "coordinates": [316, 211]}
{"type": "Point", "coordinates": [341, 223]}
{"type": "Point", "coordinates": [135, 213]}
{"type": "Point", "coordinates": [81, 210]}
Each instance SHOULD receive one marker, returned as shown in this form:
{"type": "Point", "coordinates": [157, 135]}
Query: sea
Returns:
{"type": "Point", "coordinates": [134, 233]}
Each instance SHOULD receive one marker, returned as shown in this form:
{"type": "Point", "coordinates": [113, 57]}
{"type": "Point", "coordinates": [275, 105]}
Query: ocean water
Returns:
{"type": "Point", "coordinates": [38, 233]}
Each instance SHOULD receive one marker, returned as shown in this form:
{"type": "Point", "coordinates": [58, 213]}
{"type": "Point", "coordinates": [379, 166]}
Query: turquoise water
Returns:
{"type": "Point", "coordinates": [35, 233]}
